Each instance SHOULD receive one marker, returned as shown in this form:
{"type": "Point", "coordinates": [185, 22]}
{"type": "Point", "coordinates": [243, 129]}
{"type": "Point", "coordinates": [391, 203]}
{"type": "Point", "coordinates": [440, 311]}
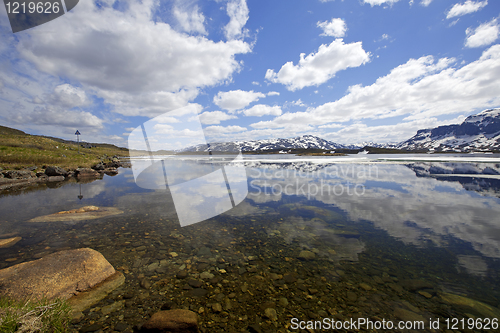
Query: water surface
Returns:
{"type": "Point", "coordinates": [383, 240]}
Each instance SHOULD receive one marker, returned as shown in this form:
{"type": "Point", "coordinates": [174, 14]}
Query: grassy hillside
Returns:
{"type": "Point", "coordinates": [19, 150]}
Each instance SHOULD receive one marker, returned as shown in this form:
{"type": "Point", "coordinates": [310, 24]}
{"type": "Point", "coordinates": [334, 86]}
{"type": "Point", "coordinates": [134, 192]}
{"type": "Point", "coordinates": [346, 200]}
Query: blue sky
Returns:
{"type": "Point", "coordinates": [348, 71]}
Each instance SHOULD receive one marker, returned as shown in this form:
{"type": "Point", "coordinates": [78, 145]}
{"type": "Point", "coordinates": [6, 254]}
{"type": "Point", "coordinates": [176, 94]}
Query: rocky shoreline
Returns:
{"type": "Point", "coordinates": [83, 277]}
{"type": "Point", "coordinates": [54, 174]}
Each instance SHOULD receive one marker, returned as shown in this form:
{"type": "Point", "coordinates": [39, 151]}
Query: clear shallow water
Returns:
{"type": "Point", "coordinates": [388, 239]}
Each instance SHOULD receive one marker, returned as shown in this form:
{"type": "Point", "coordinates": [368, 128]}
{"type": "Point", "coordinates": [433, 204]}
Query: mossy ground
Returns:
{"type": "Point", "coordinates": [18, 151]}
{"type": "Point", "coordinates": [28, 316]}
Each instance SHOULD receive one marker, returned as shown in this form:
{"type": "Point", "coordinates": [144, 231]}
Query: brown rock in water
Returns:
{"type": "Point", "coordinates": [80, 210]}
{"type": "Point", "coordinates": [415, 285]}
{"type": "Point", "coordinates": [471, 306]}
{"type": "Point", "coordinates": [111, 171]}
{"type": "Point", "coordinates": [306, 255]}
{"type": "Point", "coordinates": [79, 214]}
{"type": "Point", "coordinates": [86, 173]}
{"type": "Point", "coordinates": [407, 315]}
{"type": "Point", "coordinates": [55, 178]}
{"type": "Point", "coordinates": [58, 275]}
{"type": "Point", "coordinates": [177, 320]}
{"type": "Point", "coordinates": [86, 299]}
{"type": "Point", "coordinates": [9, 242]}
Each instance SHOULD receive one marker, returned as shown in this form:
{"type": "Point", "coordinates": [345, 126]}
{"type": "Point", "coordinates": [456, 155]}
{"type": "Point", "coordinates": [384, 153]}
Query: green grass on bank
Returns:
{"type": "Point", "coordinates": [42, 316]}
{"type": "Point", "coordinates": [19, 150]}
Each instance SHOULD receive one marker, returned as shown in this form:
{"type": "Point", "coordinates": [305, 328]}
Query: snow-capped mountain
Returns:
{"type": "Point", "coordinates": [300, 142]}
{"type": "Point", "coordinates": [374, 144]}
{"type": "Point", "coordinates": [478, 132]}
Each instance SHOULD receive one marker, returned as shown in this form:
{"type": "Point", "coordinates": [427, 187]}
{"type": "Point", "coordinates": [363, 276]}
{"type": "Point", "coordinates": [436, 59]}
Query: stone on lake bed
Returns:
{"type": "Point", "coordinates": [86, 299]}
{"type": "Point", "coordinates": [115, 306]}
{"type": "Point", "coordinates": [306, 255]}
{"type": "Point", "coordinates": [365, 286]}
{"type": "Point", "coordinates": [206, 275]}
{"type": "Point", "coordinates": [271, 314]}
{"type": "Point", "coordinates": [198, 292]}
{"type": "Point", "coordinates": [415, 285]}
{"type": "Point", "coordinates": [177, 320]}
{"type": "Point", "coordinates": [409, 316]}
{"type": "Point", "coordinates": [9, 242]}
{"type": "Point", "coordinates": [283, 301]}
{"type": "Point", "coordinates": [195, 283]}
{"type": "Point", "coordinates": [425, 294]}
{"type": "Point", "coordinates": [83, 213]}
{"type": "Point", "coordinates": [471, 306]}
{"type": "Point", "coordinates": [182, 274]}
{"type": "Point", "coordinates": [80, 210]}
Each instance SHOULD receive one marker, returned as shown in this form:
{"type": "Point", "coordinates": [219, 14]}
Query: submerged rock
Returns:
{"type": "Point", "coordinates": [306, 255]}
{"type": "Point", "coordinates": [177, 320]}
{"type": "Point", "coordinates": [409, 316]}
{"type": "Point", "coordinates": [9, 242]}
{"type": "Point", "coordinates": [415, 285]}
{"type": "Point", "coordinates": [80, 210]}
{"type": "Point", "coordinates": [86, 299]}
{"type": "Point", "coordinates": [84, 213]}
{"type": "Point", "coordinates": [59, 275]}
{"type": "Point", "coordinates": [471, 306]}
{"type": "Point", "coordinates": [271, 314]}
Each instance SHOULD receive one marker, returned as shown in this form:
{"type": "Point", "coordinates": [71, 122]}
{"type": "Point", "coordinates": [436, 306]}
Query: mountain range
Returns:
{"type": "Point", "coordinates": [300, 142]}
{"type": "Point", "coordinates": [480, 132]}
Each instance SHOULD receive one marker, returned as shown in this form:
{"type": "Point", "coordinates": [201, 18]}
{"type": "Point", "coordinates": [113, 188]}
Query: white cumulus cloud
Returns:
{"type": "Point", "coordinates": [214, 130]}
{"type": "Point", "coordinates": [317, 68]}
{"type": "Point", "coordinates": [236, 99]}
{"type": "Point", "coordinates": [467, 7]}
{"type": "Point", "coordinates": [139, 66]}
{"type": "Point", "coordinates": [335, 28]}
{"type": "Point", "coordinates": [380, 2]}
{"type": "Point", "coordinates": [68, 96]}
{"type": "Point", "coordinates": [419, 89]}
{"type": "Point", "coordinates": [190, 19]}
{"type": "Point", "coordinates": [238, 17]}
{"type": "Point", "coordinates": [260, 110]}
{"type": "Point", "coordinates": [215, 117]}
{"type": "Point", "coordinates": [483, 35]}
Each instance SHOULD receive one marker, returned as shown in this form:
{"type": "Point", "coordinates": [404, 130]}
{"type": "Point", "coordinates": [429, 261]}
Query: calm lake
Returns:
{"type": "Point", "coordinates": [384, 239]}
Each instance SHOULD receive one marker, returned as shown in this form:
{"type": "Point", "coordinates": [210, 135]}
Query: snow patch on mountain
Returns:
{"type": "Point", "coordinates": [480, 132]}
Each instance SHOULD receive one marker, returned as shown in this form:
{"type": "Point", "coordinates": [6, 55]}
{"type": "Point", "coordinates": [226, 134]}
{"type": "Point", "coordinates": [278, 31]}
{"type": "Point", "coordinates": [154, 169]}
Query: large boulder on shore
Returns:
{"type": "Point", "coordinates": [177, 320]}
{"type": "Point", "coordinates": [59, 275]}
{"type": "Point", "coordinates": [55, 171]}
{"type": "Point", "coordinates": [19, 174]}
